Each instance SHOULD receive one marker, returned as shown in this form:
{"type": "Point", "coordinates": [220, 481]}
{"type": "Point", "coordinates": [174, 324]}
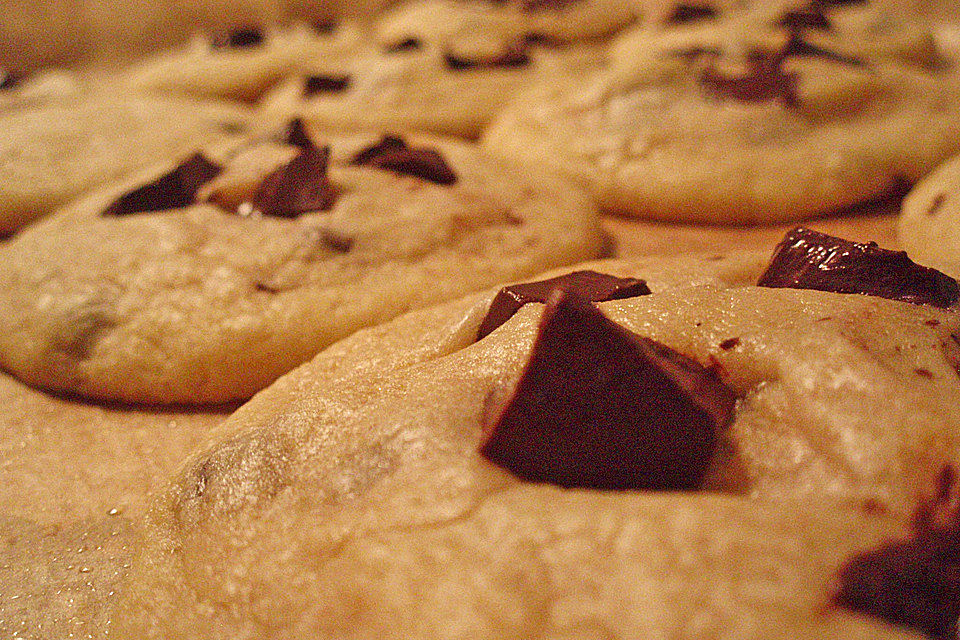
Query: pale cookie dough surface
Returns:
{"type": "Point", "coordinates": [240, 73]}
{"type": "Point", "coordinates": [929, 225]}
{"type": "Point", "coordinates": [201, 304]}
{"type": "Point", "coordinates": [52, 153]}
{"type": "Point", "coordinates": [349, 500]}
{"type": "Point", "coordinates": [39, 88]}
{"type": "Point", "coordinates": [649, 141]}
{"type": "Point", "coordinates": [481, 27]}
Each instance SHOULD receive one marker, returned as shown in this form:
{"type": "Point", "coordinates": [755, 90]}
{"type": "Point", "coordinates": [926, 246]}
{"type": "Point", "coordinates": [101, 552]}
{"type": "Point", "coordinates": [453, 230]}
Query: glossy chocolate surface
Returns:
{"type": "Point", "coordinates": [299, 187]}
{"type": "Point", "coordinates": [807, 259]}
{"type": "Point", "coordinates": [393, 154]}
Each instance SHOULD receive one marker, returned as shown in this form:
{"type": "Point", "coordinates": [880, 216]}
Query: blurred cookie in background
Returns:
{"type": "Point", "coordinates": [929, 226]}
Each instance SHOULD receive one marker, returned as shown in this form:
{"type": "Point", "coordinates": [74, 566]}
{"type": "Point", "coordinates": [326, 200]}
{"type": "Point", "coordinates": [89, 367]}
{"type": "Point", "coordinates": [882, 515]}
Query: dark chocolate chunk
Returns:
{"type": "Point", "coordinates": [173, 190]}
{"type": "Point", "coordinates": [393, 154]}
{"type": "Point", "coordinates": [312, 85]}
{"type": "Point", "coordinates": [336, 241]}
{"type": "Point", "coordinates": [729, 343]}
{"type": "Point", "coordinates": [407, 44]}
{"type": "Point", "coordinates": [684, 13]}
{"type": "Point", "coordinates": [298, 187]}
{"type": "Point", "coordinates": [595, 287]}
{"type": "Point", "coordinates": [601, 408]}
{"type": "Point", "coordinates": [240, 39]}
{"type": "Point", "coordinates": [797, 46]}
{"type": "Point", "coordinates": [515, 56]}
{"type": "Point", "coordinates": [806, 259]}
{"type": "Point", "coordinates": [809, 18]}
{"type": "Point", "coordinates": [693, 53]}
{"type": "Point", "coordinates": [915, 582]}
{"type": "Point", "coordinates": [324, 26]}
{"type": "Point", "coordinates": [8, 79]}
{"type": "Point", "coordinates": [764, 81]}
{"type": "Point", "coordinates": [296, 134]}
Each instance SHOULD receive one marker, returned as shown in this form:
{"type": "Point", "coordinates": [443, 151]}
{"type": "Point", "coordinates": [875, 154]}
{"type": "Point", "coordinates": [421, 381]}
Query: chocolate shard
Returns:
{"type": "Point", "coordinates": [8, 79]}
{"type": "Point", "coordinates": [515, 56]}
{"type": "Point", "coordinates": [298, 187]}
{"type": "Point", "coordinates": [173, 190]}
{"type": "Point", "coordinates": [914, 582]}
{"type": "Point", "coordinates": [807, 259]}
{"type": "Point", "coordinates": [590, 285]}
{"type": "Point", "coordinates": [598, 407]}
{"type": "Point", "coordinates": [295, 134]}
{"type": "Point", "coordinates": [407, 44]}
{"type": "Point", "coordinates": [316, 84]}
{"type": "Point", "coordinates": [685, 13]}
{"type": "Point", "coordinates": [764, 81]}
{"type": "Point", "coordinates": [241, 38]}
{"type": "Point", "coordinates": [393, 154]}
{"type": "Point", "coordinates": [796, 46]}
{"type": "Point", "coordinates": [807, 18]}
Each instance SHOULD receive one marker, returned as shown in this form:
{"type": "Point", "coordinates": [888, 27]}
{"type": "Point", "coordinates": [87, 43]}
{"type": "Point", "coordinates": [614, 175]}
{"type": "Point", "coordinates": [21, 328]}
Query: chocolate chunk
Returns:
{"type": "Point", "coordinates": [915, 582]}
{"type": "Point", "coordinates": [298, 187]}
{"type": "Point", "coordinates": [240, 39]}
{"type": "Point", "coordinates": [798, 47]}
{"type": "Point", "coordinates": [515, 56]}
{"type": "Point", "coordinates": [296, 134]}
{"type": "Point", "coordinates": [729, 343]}
{"type": "Point", "coordinates": [407, 44]}
{"type": "Point", "coordinates": [936, 204]}
{"type": "Point", "coordinates": [8, 79]}
{"type": "Point", "coordinates": [764, 81]}
{"type": "Point", "coordinates": [336, 241]}
{"type": "Point", "coordinates": [530, 6]}
{"type": "Point", "coordinates": [173, 190]}
{"type": "Point", "coordinates": [393, 154]}
{"type": "Point", "coordinates": [601, 408]}
{"type": "Point", "coordinates": [684, 13]}
{"type": "Point", "coordinates": [541, 40]}
{"type": "Point", "coordinates": [312, 85]}
{"type": "Point", "coordinates": [595, 287]}
{"type": "Point", "coordinates": [809, 18]}
{"type": "Point", "coordinates": [806, 259]}
{"type": "Point", "coordinates": [325, 26]}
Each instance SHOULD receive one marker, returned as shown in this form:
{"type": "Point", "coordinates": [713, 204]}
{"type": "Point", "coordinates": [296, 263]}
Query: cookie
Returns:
{"type": "Point", "coordinates": [240, 64]}
{"type": "Point", "coordinates": [392, 473]}
{"type": "Point", "coordinates": [204, 282]}
{"type": "Point", "coordinates": [929, 225]}
{"type": "Point", "coordinates": [19, 91]}
{"type": "Point", "coordinates": [777, 135]}
{"type": "Point", "coordinates": [52, 153]}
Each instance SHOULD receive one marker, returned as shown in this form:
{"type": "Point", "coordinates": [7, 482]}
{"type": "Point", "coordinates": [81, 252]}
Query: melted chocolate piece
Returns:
{"type": "Point", "coordinates": [242, 38]}
{"type": "Point", "coordinates": [915, 582]}
{"type": "Point", "coordinates": [515, 56]}
{"type": "Point", "coordinates": [393, 154]}
{"type": "Point", "coordinates": [764, 81]}
{"type": "Point", "coordinates": [593, 286]}
{"type": "Point", "coordinates": [806, 259]}
{"type": "Point", "coordinates": [173, 190]}
{"type": "Point", "coordinates": [8, 79]}
{"type": "Point", "coordinates": [598, 407]}
{"type": "Point", "coordinates": [809, 18]}
{"type": "Point", "coordinates": [296, 134]}
{"type": "Point", "coordinates": [685, 13]}
{"type": "Point", "coordinates": [407, 44]}
{"type": "Point", "coordinates": [298, 187]}
{"type": "Point", "coordinates": [312, 85]}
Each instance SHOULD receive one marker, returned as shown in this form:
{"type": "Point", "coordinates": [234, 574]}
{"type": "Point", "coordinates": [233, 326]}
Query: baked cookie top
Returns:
{"type": "Point", "coordinates": [204, 282]}
{"type": "Point", "coordinates": [929, 225]}
{"type": "Point", "coordinates": [242, 64]}
{"type": "Point", "coordinates": [743, 135]}
{"type": "Point", "coordinates": [21, 90]}
{"type": "Point", "coordinates": [366, 481]}
{"type": "Point", "coordinates": [53, 152]}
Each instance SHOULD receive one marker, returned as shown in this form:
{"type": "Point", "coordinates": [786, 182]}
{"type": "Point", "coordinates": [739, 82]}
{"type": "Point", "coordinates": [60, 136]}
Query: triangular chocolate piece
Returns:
{"type": "Point", "coordinates": [298, 187]}
{"type": "Point", "coordinates": [915, 582]}
{"type": "Point", "coordinates": [173, 190]}
{"type": "Point", "coordinates": [807, 259]}
{"type": "Point", "coordinates": [241, 38]}
{"type": "Point", "coordinates": [315, 84]}
{"type": "Point", "coordinates": [393, 154]}
{"type": "Point", "coordinates": [598, 407]}
{"type": "Point", "coordinates": [296, 134]}
{"type": "Point", "coordinates": [590, 285]}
